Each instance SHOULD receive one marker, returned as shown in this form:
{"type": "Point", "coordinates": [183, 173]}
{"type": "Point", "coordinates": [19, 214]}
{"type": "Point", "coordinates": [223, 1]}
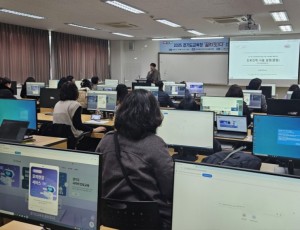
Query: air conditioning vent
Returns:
{"type": "Point", "coordinates": [227, 20]}
{"type": "Point", "coordinates": [120, 25]}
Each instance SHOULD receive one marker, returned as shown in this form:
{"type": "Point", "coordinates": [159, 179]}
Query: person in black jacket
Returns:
{"type": "Point", "coordinates": [5, 89]}
{"type": "Point", "coordinates": [23, 93]}
{"type": "Point", "coordinates": [163, 98]}
{"type": "Point", "coordinates": [236, 91]}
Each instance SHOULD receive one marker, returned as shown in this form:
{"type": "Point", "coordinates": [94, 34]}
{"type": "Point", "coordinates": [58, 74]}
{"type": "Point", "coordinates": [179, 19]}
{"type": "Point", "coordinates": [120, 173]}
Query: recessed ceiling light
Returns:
{"type": "Point", "coordinates": [21, 14]}
{"type": "Point", "coordinates": [200, 38]}
{"type": "Point", "coordinates": [168, 23]}
{"type": "Point", "coordinates": [272, 2]}
{"type": "Point", "coordinates": [124, 6]}
{"type": "Point", "coordinates": [80, 26]}
{"type": "Point", "coordinates": [280, 16]}
{"type": "Point", "coordinates": [166, 39]}
{"type": "Point", "coordinates": [286, 28]}
{"type": "Point", "coordinates": [124, 35]}
{"type": "Point", "coordinates": [195, 32]}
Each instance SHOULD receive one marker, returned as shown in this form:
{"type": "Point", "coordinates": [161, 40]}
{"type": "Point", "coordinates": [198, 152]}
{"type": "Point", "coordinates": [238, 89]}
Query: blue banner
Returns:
{"type": "Point", "coordinates": [194, 46]}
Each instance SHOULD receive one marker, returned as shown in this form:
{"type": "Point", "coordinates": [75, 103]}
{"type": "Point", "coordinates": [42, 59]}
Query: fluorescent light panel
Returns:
{"type": "Point", "coordinates": [124, 35]}
{"type": "Point", "coordinates": [286, 28]}
{"type": "Point", "coordinates": [80, 26]}
{"type": "Point", "coordinates": [166, 39]}
{"type": "Point", "coordinates": [200, 38]}
{"type": "Point", "coordinates": [168, 23]}
{"type": "Point", "coordinates": [280, 16]}
{"type": "Point", "coordinates": [125, 7]}
{"type": "Point", "coordinates": [21, 14]}
{"type": "Point", "coordinates": [272, 2]}
{"type": "Point", "coordinates": [195, 32]}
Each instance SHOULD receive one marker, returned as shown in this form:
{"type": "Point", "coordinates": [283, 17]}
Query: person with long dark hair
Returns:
{"type": "Point", "coordinates": [5, 88]}
{"type": "Point", "coordinates": [143, 154]}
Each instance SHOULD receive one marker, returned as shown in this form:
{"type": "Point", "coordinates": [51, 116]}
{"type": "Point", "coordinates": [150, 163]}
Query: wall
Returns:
{"type": "Point", "coordinates": [128, 65]}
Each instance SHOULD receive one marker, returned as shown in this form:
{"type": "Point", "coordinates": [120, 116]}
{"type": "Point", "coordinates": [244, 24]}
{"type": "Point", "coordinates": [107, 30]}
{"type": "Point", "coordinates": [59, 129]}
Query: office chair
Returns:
{"type": "Point", "coordinates": [61, 130]}
{"type": "Point", "coordinates": [126, 215]}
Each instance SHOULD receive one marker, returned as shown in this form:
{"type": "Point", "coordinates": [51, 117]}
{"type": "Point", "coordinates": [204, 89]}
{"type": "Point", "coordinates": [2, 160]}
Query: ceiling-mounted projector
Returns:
{"type": "Point", "coordinates": [249, 25]}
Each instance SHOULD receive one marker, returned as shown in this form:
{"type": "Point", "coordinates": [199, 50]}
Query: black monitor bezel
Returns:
{"type": "Point", "coordinates": [35, 96]}
{"type": "Point", "coordinates": [48, 90]}
{"type": "Point", "coordinates": [285, 102]}
{"type": "Point", "coordinates": [50, 226]}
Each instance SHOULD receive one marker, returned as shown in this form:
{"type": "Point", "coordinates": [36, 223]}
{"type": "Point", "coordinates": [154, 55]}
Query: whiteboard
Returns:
{"type": "Point", "coordinates": [209, 68]}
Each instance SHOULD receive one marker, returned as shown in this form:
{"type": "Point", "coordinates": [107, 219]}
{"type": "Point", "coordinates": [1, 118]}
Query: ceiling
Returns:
{"type": "Point", "coordinates": [190, 14]}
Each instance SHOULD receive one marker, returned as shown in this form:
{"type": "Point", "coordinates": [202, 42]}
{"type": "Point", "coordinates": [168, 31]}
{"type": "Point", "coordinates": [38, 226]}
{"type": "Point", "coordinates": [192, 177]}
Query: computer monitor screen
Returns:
{"type": "Point", "coordinates": [54, 188]}
{"type": "Point", "coordinates": [106, 88]}
{"type": "Point", "coordinates": [253, 98]}
{"type": "Point", "coordinates": [53, 84]}
{"type": "Point", "coordinates": [231, 123]}
{"type": "Point", "coordinates": [213, 197]}
{"type": "Point", "coordinates": [102, 100]}
{"type": "Point", "coordinates": [152, 89]}
{"type": "Point", "coordinates": [222, 105]}
{"type": "Point", "coordinates": [283, 107]}
{"type": "Point", "coordinates": [195, 87]}
{"type": "Point", "coordinates": [273, 88]}
{"type": "Point", "coordinates": [19, 110]}
{"type": "Point", "coordinates": [289, 94]}
{"type": "Point", "coordinates": [194, 128]}
{"type": "Point", "coordinates": [175, 90]}
{"type": "Point", "coordinates": [78, 84]}
{"type": "Point", "coordinates": [111, 82]}
{"type": "Point", "coordinates": [14, 87]}
{"type": "Point", "coordinates": [33, 88]}
{"type": "Point", "coordinates": [49, 97]}
{"type": "Point", "coordinates": [267, 91]}
{"type": "Point", "coordinates": [134, 84]}
{"type": "Point", "coordinates": [276, 136]}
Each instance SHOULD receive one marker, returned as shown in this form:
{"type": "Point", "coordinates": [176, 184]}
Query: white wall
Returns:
{"type": "Point", "coordinates": [128, 65]}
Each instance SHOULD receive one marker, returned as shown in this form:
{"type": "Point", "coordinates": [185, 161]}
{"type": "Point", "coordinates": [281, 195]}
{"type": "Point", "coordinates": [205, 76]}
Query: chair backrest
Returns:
{"type": "Point", "coordinates": [59, 130]}
{"type": "Point", "coordinates": [125, 215]}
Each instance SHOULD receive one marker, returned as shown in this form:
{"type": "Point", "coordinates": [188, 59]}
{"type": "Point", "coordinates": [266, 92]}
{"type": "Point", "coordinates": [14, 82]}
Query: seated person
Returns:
{"type": "Point", "coordinates": [296, 94]}
{"type": "Point", "coordinates": [61, 82]}
{"type": "Point", "coordinates": [188, 103]}
{"type": "Point", "coordinates": [255, 84]}
{"type": "Point", "coordinates": [122, 92]}
{"type": "Point", "coordinates": [23, 93]}
{"type": "Point", "coordinates": [95, 81]}
{"type": "Point", "coordinates": [5, 89]}
{"type": "Point", "coordinates": [145, 156]}
{"type": "Point", "coordinates": [68, 111]}
{"type": "Point", "coordinates": [163, 98]}
{"type": "Point", "coordinates": [236, 91]}
{"type": "Point", "coordinates": [292, 88]}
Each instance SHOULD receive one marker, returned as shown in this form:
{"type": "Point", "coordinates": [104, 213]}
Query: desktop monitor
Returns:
{"type": "Point", "coordinates": [283, 107]}
{"type": "Point", "coordinates": [175, 90]}
{"type": "Point", "coordinates": [49, 97]}
{"type": "Point", "coordinates": [215, 197]}
{"type": "Point", "coordinates": [102, 100]}
{"type": "Point", "coordinates": [273, 88]}
{"type": "Point", "coordinates": [111, 82]}
{"type": "Point", "coordinates": [53, 84]}
{"type": "Point", "coordinates": [194, 129]}
{"type": "Point", "coordinates": [14, 87]}
{"type": "Point", "coordinates": [19, 110]}
{"type": "Point", "coordinates": [152, 89]}
{"type": "Point", "coordinates": [33, 88]}
{"type": "Point", "coordinates": [267, 91]}
{"type": "Point", "coordinates": [253, 98]}
{"type": "Point", "coordinates": [195, 87]}
{"type": "Point", "coordinates": [222, 105]}
{"type": "Point", "coordinates": [134, 84]}
{"type": "Point", "coordinates": [78, 84]}
{"type": "Point", "coordinates": [56, 189]}
{"type": "Point", "coordinates": [106, 88]}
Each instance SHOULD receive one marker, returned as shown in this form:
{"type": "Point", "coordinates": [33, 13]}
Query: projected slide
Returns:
{"type": "Point", "coordinates": [266, 59]}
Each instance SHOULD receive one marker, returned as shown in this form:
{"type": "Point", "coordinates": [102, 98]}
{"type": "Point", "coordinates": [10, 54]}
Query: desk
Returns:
{"type": "Point", "coordinates": [16, 225]}
{"type": "Point", "coordinates": [53, 142]}
{"type": "Point", "coordinates": [42, 117]}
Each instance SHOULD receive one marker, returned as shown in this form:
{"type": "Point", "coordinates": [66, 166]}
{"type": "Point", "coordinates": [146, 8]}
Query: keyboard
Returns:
{"type": "Point", "coordinates": [49, 113]}
{"type": "Point", "coordinates": [234, 136]}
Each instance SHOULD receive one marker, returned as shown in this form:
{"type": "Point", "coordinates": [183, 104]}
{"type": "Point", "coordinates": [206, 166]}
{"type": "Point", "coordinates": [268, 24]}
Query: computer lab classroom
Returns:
{"type": "Point", "coordinates": [149, 115]}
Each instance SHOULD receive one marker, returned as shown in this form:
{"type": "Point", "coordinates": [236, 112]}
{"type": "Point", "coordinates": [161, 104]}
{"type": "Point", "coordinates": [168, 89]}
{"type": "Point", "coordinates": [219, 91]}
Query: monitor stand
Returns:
{"type": "Point", "coordinates": [184, 154]}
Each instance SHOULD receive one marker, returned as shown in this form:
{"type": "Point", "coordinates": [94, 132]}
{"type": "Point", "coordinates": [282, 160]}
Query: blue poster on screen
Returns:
{"type": "Point", "coordinates": [194, 46]}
